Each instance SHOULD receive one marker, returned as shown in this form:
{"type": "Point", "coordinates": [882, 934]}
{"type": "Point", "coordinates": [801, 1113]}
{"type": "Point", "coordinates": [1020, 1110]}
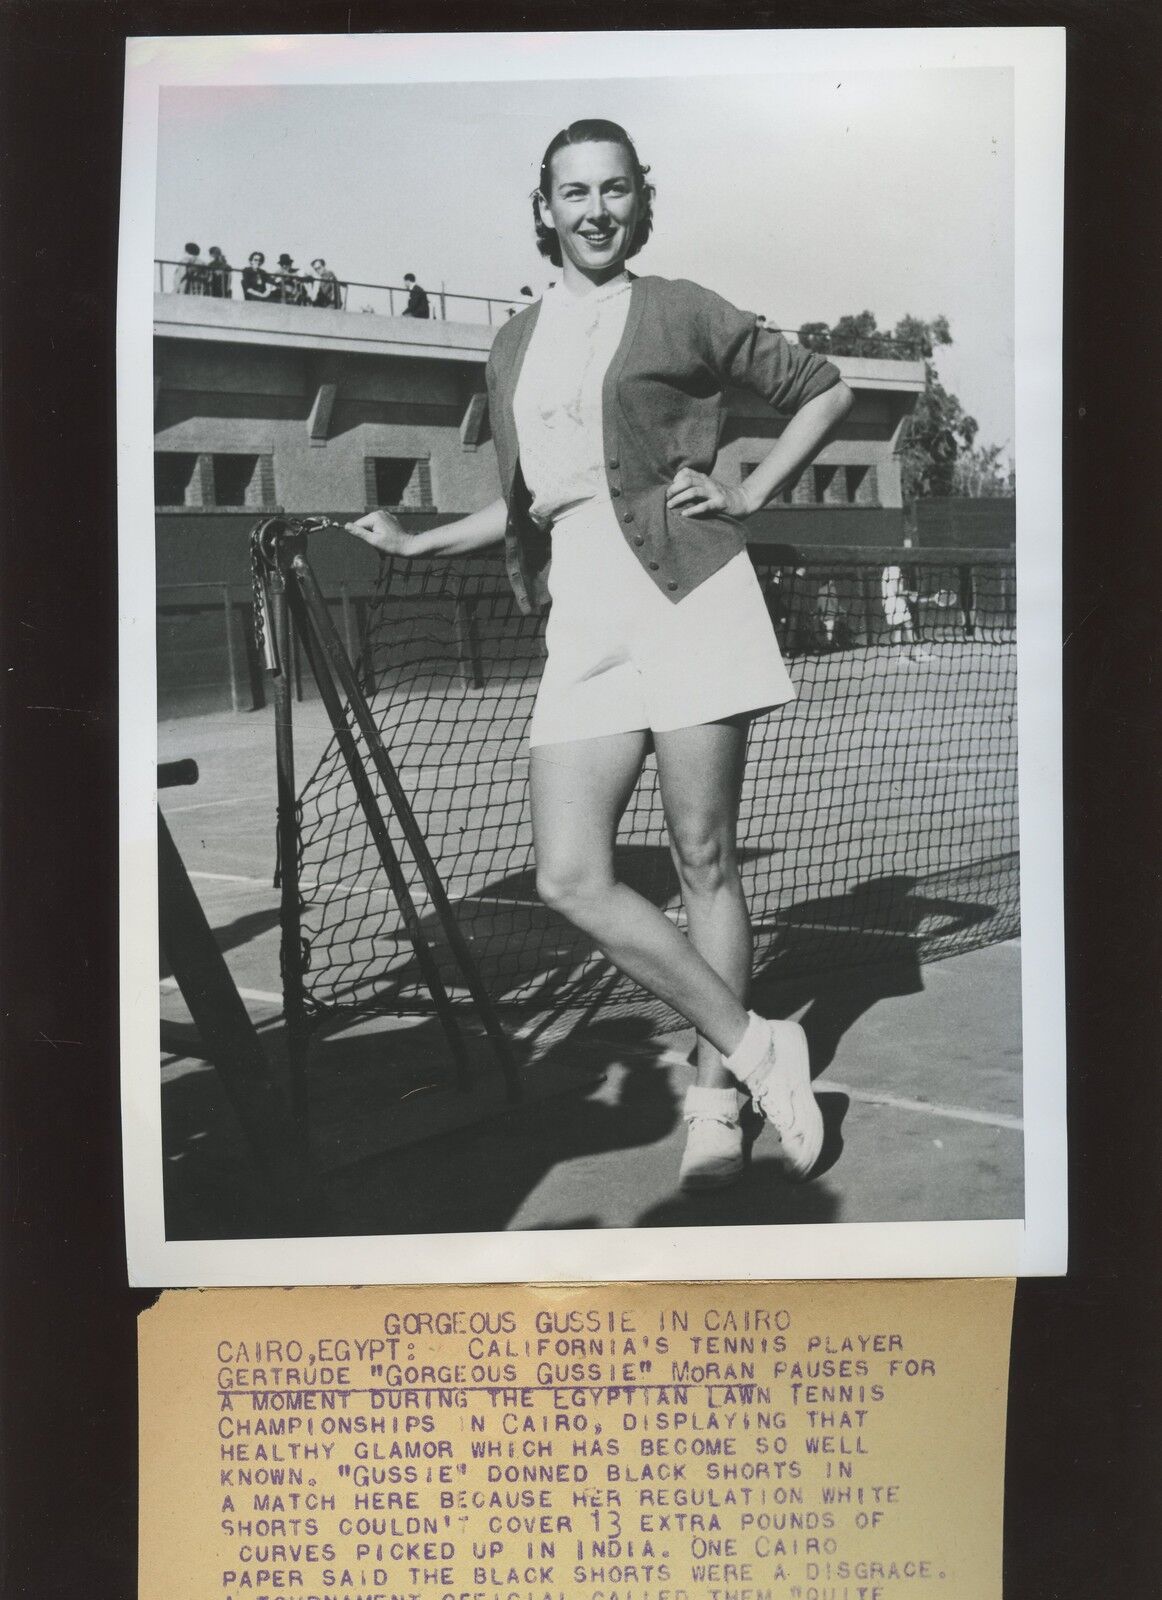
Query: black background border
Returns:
{"type": "Point", "coordinates": [1085, 1441]}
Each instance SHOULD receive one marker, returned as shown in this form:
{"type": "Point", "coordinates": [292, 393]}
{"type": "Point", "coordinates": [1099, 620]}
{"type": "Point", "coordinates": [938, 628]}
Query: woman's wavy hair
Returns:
{"type": "Point", "coordinates": [594, 130]}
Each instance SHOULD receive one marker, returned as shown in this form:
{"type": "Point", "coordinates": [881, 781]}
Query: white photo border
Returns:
{"type": "Point", "coordinates": [1034, 1244]}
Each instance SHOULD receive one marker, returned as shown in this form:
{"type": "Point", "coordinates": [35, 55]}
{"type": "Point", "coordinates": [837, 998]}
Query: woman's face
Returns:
{"type": "Point", "coordinates": [256, 259]}
{"type": "Point", "coordinates": [593, 207]}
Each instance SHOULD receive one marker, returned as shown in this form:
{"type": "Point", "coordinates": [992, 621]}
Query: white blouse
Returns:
{"type": "Point", "coordinates": [557, 404]}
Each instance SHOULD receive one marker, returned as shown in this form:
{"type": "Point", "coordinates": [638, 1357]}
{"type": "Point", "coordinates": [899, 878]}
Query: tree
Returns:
{"type": "Point", "coordinates": [938, 451]}
{"type": "Point", "coordinates": [980, 474]}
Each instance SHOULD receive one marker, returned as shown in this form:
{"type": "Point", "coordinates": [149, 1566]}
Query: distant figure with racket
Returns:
{"type": "Point", "coordinates": [606, 399]}
{"type": "Point", "coordinates": [898, 602]}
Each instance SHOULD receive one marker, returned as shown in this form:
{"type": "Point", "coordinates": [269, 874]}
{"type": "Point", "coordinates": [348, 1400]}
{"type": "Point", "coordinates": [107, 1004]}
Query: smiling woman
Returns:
{"type": "Point", "coordinates": [607, 399]}
{"type": "Point", "coordinates": [593, 203]}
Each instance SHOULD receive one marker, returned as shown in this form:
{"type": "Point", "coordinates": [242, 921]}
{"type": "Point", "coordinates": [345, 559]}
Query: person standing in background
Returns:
{"type": "Point", "coordinates": [327, 293]}
{"type": "Point", "coordinates": [190, 277]}
{"type": "Point", "coordinates": [218, 275]}
{"type": "Point", "coordinates": [417, 305]}
{"type": "Point", "coordinates": [898, 601]}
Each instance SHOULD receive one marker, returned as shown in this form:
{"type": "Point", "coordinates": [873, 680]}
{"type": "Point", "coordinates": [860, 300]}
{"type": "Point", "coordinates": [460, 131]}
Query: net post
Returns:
{"type": "Point", "coordinates": [306, 619]}
{"type": "Point", "coordinates": [312, 595]}
{"type": "Point", "coordinates": [290, 954]}
{"type": "Point", "coordinates": [231, 648]}
{"type": "Point", "coordinates": [467, 632]}
{"type": "Point", "coordinates": [348, 630]}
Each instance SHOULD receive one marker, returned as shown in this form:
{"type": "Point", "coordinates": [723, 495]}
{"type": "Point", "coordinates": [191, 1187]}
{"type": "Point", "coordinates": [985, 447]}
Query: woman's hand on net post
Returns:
{"type": "Point", "coordinates": [696, 493]}
{"type": "Point", "coordinates": [382, 532]}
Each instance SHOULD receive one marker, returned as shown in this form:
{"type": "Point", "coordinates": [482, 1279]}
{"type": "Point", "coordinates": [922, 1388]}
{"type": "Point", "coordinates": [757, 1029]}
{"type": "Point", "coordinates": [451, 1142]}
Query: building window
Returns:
{"type": "Point", "coordinates": [783, 498]}
{"type": "Point", "coordinates": [207, 481]}
{"type": "Point", "coordinates": [235, 481]}
{"type": "Point", "coordinates": [173, 475]}
{"type": "Point", "coordinates": [404, 481]}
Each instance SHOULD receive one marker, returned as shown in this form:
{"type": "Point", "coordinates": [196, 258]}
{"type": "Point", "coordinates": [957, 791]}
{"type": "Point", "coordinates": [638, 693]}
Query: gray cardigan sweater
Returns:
{"type": "Point", "coordinates": [663, 407]}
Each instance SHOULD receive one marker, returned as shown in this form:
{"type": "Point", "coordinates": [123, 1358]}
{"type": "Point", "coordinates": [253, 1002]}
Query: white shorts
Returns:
{"type": "Point", "coordinates": [622, 657]}
{"type": "Point", "coordinates": [896, 611]}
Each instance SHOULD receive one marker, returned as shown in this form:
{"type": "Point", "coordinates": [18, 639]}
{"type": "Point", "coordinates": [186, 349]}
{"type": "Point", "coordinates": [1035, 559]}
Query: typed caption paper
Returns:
{"type": "Point", "coordinates": [669, 1441]}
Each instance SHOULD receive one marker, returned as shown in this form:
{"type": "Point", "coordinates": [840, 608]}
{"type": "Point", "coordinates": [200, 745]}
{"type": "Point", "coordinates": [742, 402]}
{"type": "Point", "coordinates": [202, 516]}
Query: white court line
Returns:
{"type": "Point", "coordinates": [227, 877]}
{"type": "Point", "coordinates": [419, 896]}
{"type": "Point", "coordinates": [204, 805]}
{"type": "Point", "coordinates": [674, 1058]}
{"type": "Point", "coordinates": [931, 1108]}
{"type": "Point", "coordinates": [264, 996]}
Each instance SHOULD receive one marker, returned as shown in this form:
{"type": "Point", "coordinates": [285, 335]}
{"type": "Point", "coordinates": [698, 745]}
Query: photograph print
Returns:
{"type": "Point", "coordinates": [592, 681]}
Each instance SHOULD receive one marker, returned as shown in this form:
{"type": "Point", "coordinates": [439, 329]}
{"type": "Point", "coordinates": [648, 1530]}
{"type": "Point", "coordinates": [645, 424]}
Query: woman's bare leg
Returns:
{"type": "Point", "coordinates": [700, 772]}
{"type": "Point", "coordinates": [579, 791]}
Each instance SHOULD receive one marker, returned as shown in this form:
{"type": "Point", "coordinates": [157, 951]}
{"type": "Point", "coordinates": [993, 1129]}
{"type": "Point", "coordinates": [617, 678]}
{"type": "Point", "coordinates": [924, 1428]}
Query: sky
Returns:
{"type": "Point", "coordinates": [803, 196]}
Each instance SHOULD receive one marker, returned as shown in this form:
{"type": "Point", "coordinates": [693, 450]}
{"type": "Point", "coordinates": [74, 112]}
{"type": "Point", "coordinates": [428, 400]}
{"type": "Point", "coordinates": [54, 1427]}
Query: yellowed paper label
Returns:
{"type": "Point", "coordinates": [757, 1441]}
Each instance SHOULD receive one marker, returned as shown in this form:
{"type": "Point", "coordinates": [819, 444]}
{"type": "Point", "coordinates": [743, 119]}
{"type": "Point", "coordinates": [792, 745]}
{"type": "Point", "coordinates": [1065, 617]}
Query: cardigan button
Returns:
{"type": "Point", "coordinates": [627, 516]}
{"type": "Point", "coordinates": [671, 584]}
{"type": "Point", "coordinates": [653, 566]}
{"type": "Point", "coordinates": [615, 493]}
{"type": "Point", "coordinates": [614, 463]}
{"type": "Point", "coordinates": [638, 540]}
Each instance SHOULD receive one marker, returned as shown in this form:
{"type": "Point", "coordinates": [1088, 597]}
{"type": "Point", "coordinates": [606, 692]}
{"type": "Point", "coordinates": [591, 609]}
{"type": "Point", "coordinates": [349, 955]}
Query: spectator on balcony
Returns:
{"type": "Point", "coordinates": [292, 290]}
{"type": "Point", "coordinates": [190, 277]}
{"type": "Point", "coordinates": [417, 305]}
{"type": "Point", "coordinates": [218, 275]}
{"type": "Point", "coordinates": [257, 283]}
{"type": "Point", "coordinates": [328, 295]}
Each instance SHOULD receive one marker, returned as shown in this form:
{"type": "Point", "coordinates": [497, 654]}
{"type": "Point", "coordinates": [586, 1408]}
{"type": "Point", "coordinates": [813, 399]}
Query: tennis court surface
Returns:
{"type": "Point", "coordinates": [918, 1061]}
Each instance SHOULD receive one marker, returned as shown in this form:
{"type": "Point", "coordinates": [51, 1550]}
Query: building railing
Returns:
{"type": "Point", "coordinates": [351, 295]}
{"type": "Point", "coordinates": [224, 282]}
{"type": "Point", "coordinates": [338, 294]}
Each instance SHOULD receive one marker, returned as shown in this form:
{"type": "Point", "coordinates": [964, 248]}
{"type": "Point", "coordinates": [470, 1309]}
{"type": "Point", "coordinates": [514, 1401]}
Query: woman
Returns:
{"type": "Point", "coordinates": [606, 402]}
{"type": "Point", "coordinates": [257, 283]}
{"type": "Point", "coordinates": [190, 276]}
{"type": "Point", "coordinates": [898, 602]}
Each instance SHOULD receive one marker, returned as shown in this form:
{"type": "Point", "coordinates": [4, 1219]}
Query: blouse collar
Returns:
{"type": "Point", "coordinates": [561, 298]}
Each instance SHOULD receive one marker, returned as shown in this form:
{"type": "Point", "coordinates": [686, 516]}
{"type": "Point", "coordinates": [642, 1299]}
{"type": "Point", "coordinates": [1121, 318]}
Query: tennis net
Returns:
{"type": "Point", "coordinates": [879, 810]}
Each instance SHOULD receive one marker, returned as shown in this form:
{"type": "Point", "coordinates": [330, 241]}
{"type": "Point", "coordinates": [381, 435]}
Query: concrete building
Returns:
{"type": "Point", "coordinates": [260, 406]}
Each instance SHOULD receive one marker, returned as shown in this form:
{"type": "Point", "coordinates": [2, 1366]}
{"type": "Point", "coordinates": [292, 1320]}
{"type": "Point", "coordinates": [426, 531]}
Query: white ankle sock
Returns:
{"type": "Point", "coordinates": [711, 1102]}
{"type": "Point", "coordinates": [751, 1049]}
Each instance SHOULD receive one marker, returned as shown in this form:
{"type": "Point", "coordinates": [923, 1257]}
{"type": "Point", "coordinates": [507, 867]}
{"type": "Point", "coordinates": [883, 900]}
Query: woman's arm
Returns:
{"type": "Point", "coordinates": [799, 442]}
{"type": "Point", "coordinates": [695, 493]}
{"type": "Point", "coordinates": [382, 532]}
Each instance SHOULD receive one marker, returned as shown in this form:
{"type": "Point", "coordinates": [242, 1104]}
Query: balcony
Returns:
{"type": "Point", "coordinates": [369, 320]}
{"type": "Point", "coordinates": [301, 290]}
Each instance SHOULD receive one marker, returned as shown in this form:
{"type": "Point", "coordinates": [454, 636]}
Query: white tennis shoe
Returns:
{"type": "Point", "coordinates": [713, 1155]}
{"type": "Point", "coordinates": [780, 1087]}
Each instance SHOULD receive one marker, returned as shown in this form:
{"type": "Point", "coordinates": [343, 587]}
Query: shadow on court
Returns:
{"type": "Point", "coordinates": [468, 1179]}
{"type": "Point", "coordinates": [922, 1122]}
{"type": "Point", "coordinates": [859, 948]}
{"type": "Point", "coordinates": [613, 1131]}
{"type": "Point", "coordinates": [503, 920]}
{"type": "Point", "coordinates": [235, 935]}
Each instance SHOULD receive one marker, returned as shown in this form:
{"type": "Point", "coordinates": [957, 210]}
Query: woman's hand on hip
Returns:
{"type": "Point", "coordinates": [695, 494]}
{"type": "Point", "coordinates": [382, 532]}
